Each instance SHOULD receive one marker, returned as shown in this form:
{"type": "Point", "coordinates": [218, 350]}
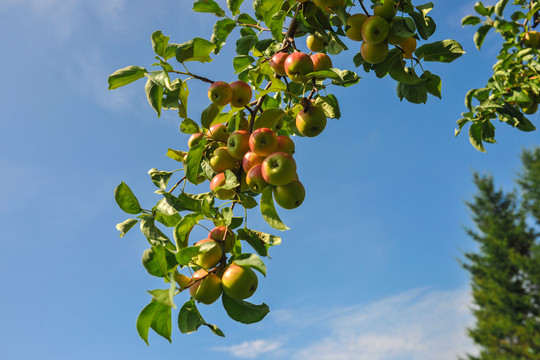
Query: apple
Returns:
{"type": "Point", "coordinates": [223, 234]}
{"type": "Point", "coordinates": [250, 160]}
{"type": "Point", "coordinates": [239, 282]}
{"type": "Point", "coordinates": [194, 139]}
{"type": "Point", "coordinates": [374, 53]}
{"type": "Point", "coordinates": [238, 144]}
{"type": "Point", "coordinates": [220, 93]}
{"type": "Point", "coordinates": [297, 65]}
{"type": "Point", "coordinates": [291, 195]}
{"type": "Point", "coordinates": [241, 94]}
{"type": "Point", "coordinates": [329, 3]}
{"type": "Point", "coordinates": [277, 63]}
{"type": "Point", "coordinates": [285, 144]}
{"type": "Point", "coordinates": [387, 10]}
{"type": "Point", "coordinates": [355, 31]}
{"type": "Point", "coordinates": [222, 194]}
{"type": "Point", "coordinates": [182, 280]}
{"type": "Point", "coordinates": [531, 109]}
{"type": "Point", "coordinates": [278, 168]}
{"type": "Point", "coordinates": [206, 288]}
{"type": "Point", "coordinates": [314, 43]}
{"type": "Point", "coordinates": [221, 160]}
{"type": "Point", "coordinates": [243, 123]}
{"type": "Point", "coordinates": [408, 45]}
{"type": "Point", "coordinates": [255, 179]}
{"type": "Point", "coordinates": [312, 122]}
{"type": "Point", "coordinates": [263, 142]}
{"type": "Point", "coordinates": [321, 61]}
{"type": "Point", "coordinates": [210, 258]}
{"type": "Point", "coordinates": [218, 132]}
{"type": "Point", "coordinates": [375, 29]}
{"type": "Point", "coordinates": [531, 39]}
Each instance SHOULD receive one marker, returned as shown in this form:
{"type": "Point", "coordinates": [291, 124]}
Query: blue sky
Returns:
{"type": "Point", "coordinates": [369, 268]}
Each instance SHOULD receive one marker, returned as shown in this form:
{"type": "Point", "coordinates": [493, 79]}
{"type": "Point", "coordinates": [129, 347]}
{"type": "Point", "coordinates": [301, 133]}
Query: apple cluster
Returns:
{"type": "Point", "coordinates": [238, 93]}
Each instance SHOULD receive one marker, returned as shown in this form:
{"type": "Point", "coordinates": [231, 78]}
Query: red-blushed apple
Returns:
{"type": "Point", "coordinates": [221, 160]}
{"type": "Point", "coordinates": [222, 194]}
{"type": "Point", "coordinates": [355, 31]}
{"type": "Point", "coordinates": [321, 61]}
{"type": "Point", "coordinates": [241, 94]}
{"type": "Point", "coordinates": [218, 132]}
{"type": "Point", "coordinates": [297, 65]}
{"type": "Point", "coordinates": [285, 144]}
{"type": "Point", "coordinates": [239, 282]}
{"type": "Point", "coordinates": [387, 10]}
{"type": "Point", "coordinates": [222, 234]}
{"type": "Point", "coordinates": [408, 45]}
{"type": "Point", "coordinates": [238, 144]}
{"type": "Point", "coordinates": [211, 257]}
{"type": "Point", "coordinates": [250, 160]}
{"type": "Point", "coordinates": [375, 29]}
{"type": "Point", "coordinates": [291, 195]}
{"type": "Point", "coordinates": [263, 142]}
{"type": "Point", "coordinates": [277, 63]}
{"type": "Point", "coordinates": [278, 168]}
{"type": "Point", "coordinates": [255, 179]}
{"type": "Point", "coordinates": [314, 43]}
{"type": "Point", "coordinates": [374, 53]}
{"type": "Point", "coordinates": [312, 122]}
{"type": "Point", "coordinates": [220, 93]}
{"type": "Point", "coordinates": [206, 288]}
{"type": "Point", "coordinates": [194, 139]}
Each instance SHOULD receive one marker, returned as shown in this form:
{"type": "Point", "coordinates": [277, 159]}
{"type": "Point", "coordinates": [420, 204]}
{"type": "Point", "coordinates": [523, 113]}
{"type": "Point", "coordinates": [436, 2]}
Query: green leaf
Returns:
{"type": "Point", "coordinates": [434, 85]}
{"type": "Point", "coordinates": [184, 93]}
{"type": "Point", "coordinates": [160, 178]}
{"type": "Point", "coordinates": [159, 43]}
{"type": "Point", "coordinates": [154, 94]}
{"type": "Point", "coordinates": [189, 126]}
{"type": "Point", "coordinates": [243, 311]}
{"type": "Point", "coordinates": [208, 6]}
{"type": "Point", "coordinates": [168, 220]}
{"type": "Point", "coordinates": [475, 136]}
{"type": "Point", "coordinates": [251, 260]}
{"type": "Point", "coordinates": [241, 63]}
{"type": "Point", "coordinates": [184, 227]}
{"type": "Point", "coordinates": [145, 318]}
{"type": "Point", "coordinates": [404, 75]}
{"type": "Point", "coordinates": [209, 114]}
{"type": "Point", "coordinates": [481, 9]}
{"type": "Point", "coordinates": [258, 240]}
{"type": "Point", "coordinates": [185, 255]}
{"type": "Point", "coordinates": [125, 226]}
{"type": "Point", "coordinates": [234, 6]}
{"type": "Point", "coordinates": [126, 200]}
{"type": "Point", "coordinates": [461, 123]}
{"type": "Point", "coordinates": [266, 8]}
{"type": "Point", "coordinates": [158, 261]}
{"type": "Point", "coordinates": [244, 44]}
{"type": "Point", "coordinates": [330, 106]}
{"type": "Point", "coordinates": [442, 51]}
{"type": "Point", "coordinates": [268, 210]}
{"type": "Point", "coordinates": [125, 76]}
{"type": "Point", "coordinates": [161, 322]}
{"type": "Point", "coordinates": [470, 20]}
{"type": "Point", "coordinates": [215, 329]}
{"type": "Point", "coordinates": [499, 7]}
{"type": "Point", "coordinates": [424, 24]}
{"type": "Point", "coordinates": [275, 24]}
{"type": "Point", "coordinates": [221, 31]}
{"type": "Point", "coordinates": [193, 161]}
{"type": "Point", "coordinates": [189, 318]}
{"type": "Point", "coordinates": [177, 155]}
{"type": "Point", "coordinates": [163, 296]}
{"type": "Point", "coordinates": [196, 49]}
{"type": "Point", "coordinates": [480, 35]}
{"type": "Point", "coordinates": [152, 233]}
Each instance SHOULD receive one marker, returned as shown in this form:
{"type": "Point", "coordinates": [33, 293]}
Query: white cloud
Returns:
{"type": "Point", "coordinates": [251, 349]}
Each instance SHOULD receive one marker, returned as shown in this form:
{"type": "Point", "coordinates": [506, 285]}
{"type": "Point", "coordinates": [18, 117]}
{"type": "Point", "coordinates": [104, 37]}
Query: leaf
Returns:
{"type": "Point", "coordinates": [189, 319]}
{"type": "Point", "coordinates": [154, 94]}
{"type": "Point", "coordinates": [184, 227]}
{"type": "Point", "coordinates": [442, 51]}
{"type": "Point", "coordinates": [330, 106]}
{"type": "Point", "coordinates": [163, 296]}
{"type": "Point", "coordinates": [251, 260]}
{"type": "Point", "coordinates": [145, 318]}
{"type": "Point", "coordinates": [196, 49]}
{"type": "Point", "coordinates": [152, 233]}
{"type": "Point", "coordinates": [189, 126]}
{"type": "Point", "coordinates": [159, 43]}
{"type": "Point", "coordinates": [208, 6]}
{"type": "Point", "coordinates": [217, 331]}
{"type": "Point", "coordinates": [470, 20]}
{"type": "Point", "coordinates": [158, 261]}
{"type": "Point", "coordinates": [241, 62]}
{"type": "Point", "coordinates": [275, 24]}
{"type": "Point", "coordinates": [480, 35]}
{"type": "Point", "coordinates": [475, 136]}
{"type": "Point", "coordinates": [234, 6]}
{"type": "Point", "coordinates": [268, 210]}
{"type": "Point", "coordinates": [193, 161]}
{"type": "Point", "coordinates": [499, 7]}
{"type": "Point", "coordinates": [177, 155]}
{"type": "Point", "coordinates": [424, 24]}
{"type": "Point", "coordinates": [258, 240]}
{"type": "Point", "coordinates": [160, 178]}
{"type": "Point", "coordinates": [185, 255]}
{"type": "Point", "coordinates": [434, 85]}
{"type": "Point", "coordinates": [221, 31]}
{"type": "Point", "coordinates": [209, 114]}
{"type": "Point", "coordinates": [243, 311]}
{"type": "Point", "coordinates": [125, 226]}
{"type": "Point", "coordinates": [125, 76]}
{"type": "Point", "coordinates": [126, 200]}
{"type": "Point", "coordinates": [244, 44]}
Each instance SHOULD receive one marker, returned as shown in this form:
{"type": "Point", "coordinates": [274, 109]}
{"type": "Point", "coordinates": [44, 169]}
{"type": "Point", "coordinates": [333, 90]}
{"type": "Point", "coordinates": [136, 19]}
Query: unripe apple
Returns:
{"type": "Point", "coordinates": [194, 139]}
{"type": "Point", "coordinates": [238, 144]}
{"type": "Point", "coordinates": [375, 29]}
{"type": "Point", "coordinates": [387, 10]}
{"type": "Point", "coordinates": [312, 122]}
{"type": "Point", "coordinates": [531, 109]}
{"type": "Point", "coordinates": [329, 3]}
{"type": "Point", "coordinates": [531, 39]}
{"type": "Point", "coordinates": [239, 282]}
{"type": "Point", "coordinates": [297, 65]}
{"type": "Point", "coordinates": [314, 43]}
{"type": "Point", "coordinates": [355, 22]}
{"type": "Point", "coordinates": [321, 61]}
{"type": "Point", "coordinates": [222, 194]}
{"type": "Point", "coordinates": [374, 53]}
{"type": "Point", "coordinates": [250, 160]}
{"type": "Point", "coordinates": [223, 234]}
{"type": "Point", "coordinates": [255, 179]}
{"type": "Point", "coordinates": [263, 142]}
{"type": "Point", "coordinates": [241, 94]}
{"type": "Point", "coordinates": [210, 258]}
{"type": "Point", "coordinates": [221, 160]}
{"type": "Point", "coordinates": [244, 124]}
{"type": "Point", "coordinates": [218, 132]}
{"type": "Point", "coordinates": [408, 45]}
{"type": "Point", "coordinates": [291, 195]}
{"type": "Point", "coordinates": [206, 290]}
{"type": "Point", "coordinates": [285, 144]}
{"type": "Point", "coordinates": [277, 63]}
{"type": "Point", "coordinates": [278, 168]}
{"type": "Point", "coordinates": [220, 93]}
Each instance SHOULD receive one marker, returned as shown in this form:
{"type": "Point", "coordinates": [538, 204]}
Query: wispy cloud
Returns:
{"type": "Point", "coordinates": [251, 349]}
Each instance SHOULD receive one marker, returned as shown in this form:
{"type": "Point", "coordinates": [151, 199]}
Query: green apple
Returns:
{"type": "Point", "coordinates": [408, 45]}
{"type": "Point", "coordinates": [278, 168]}
{"type": "Point", "coordinates": [241, 94]}
{"type": "Point", "coordinates": [291, 195]}
{"type": "Point", "coordinates": [220, 93]}
{"type": "Point", "coordinates": [239, 282]}
{"type": "Point", "coordinates": [297, 65]}
{"type": "Point", "coordinates": [222, 194]}
{"type": "Point", "coordinates": [238, 144]}
{"type": "Point", "coordinates": [329, 3]}
{"type": "Point", "coordinates": [387, 10]}
{"type": "Point", "coordinates": [223, 234]}
{"type": "Point", "coordinates": [255, 179]}
{"type": "Point", "coordinates": [209, 258]}
{"type": "Point", "coordinates": [250, 160]}
{"type": "Point", "coordinates": [218, 132]}
{"type": "Point", "coordinates": [221, 160]}
{"type": "Point", "coordinates": [206, 288]}
{"type": "Point", "coordinates": [277, 63]}
{"type": "Point", "coordinates": [194, 139]}
{"type": "Point", "coordinates": [314, 43]}
{"type": "Point", "coordinates": [375, 29]}
{"type": "Point", "coordinates": [321, 61]}
{"type": "Point", "coordinates": [244, 123]}
{"type": "Point", "coordinates": [531, 39]}
{"type": "Point", "coordinates": [374, 53]}
{"type": "Point", "coordinates": [312, 122]}
{"type": "Point", "coordinates": [285, 144]}
{"type": "Point", "coordinates": [355, 30]}
{"type": "Point", "coordinates": [531, 109]}
{"type": "Point", "coordinates": [263, 142]}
